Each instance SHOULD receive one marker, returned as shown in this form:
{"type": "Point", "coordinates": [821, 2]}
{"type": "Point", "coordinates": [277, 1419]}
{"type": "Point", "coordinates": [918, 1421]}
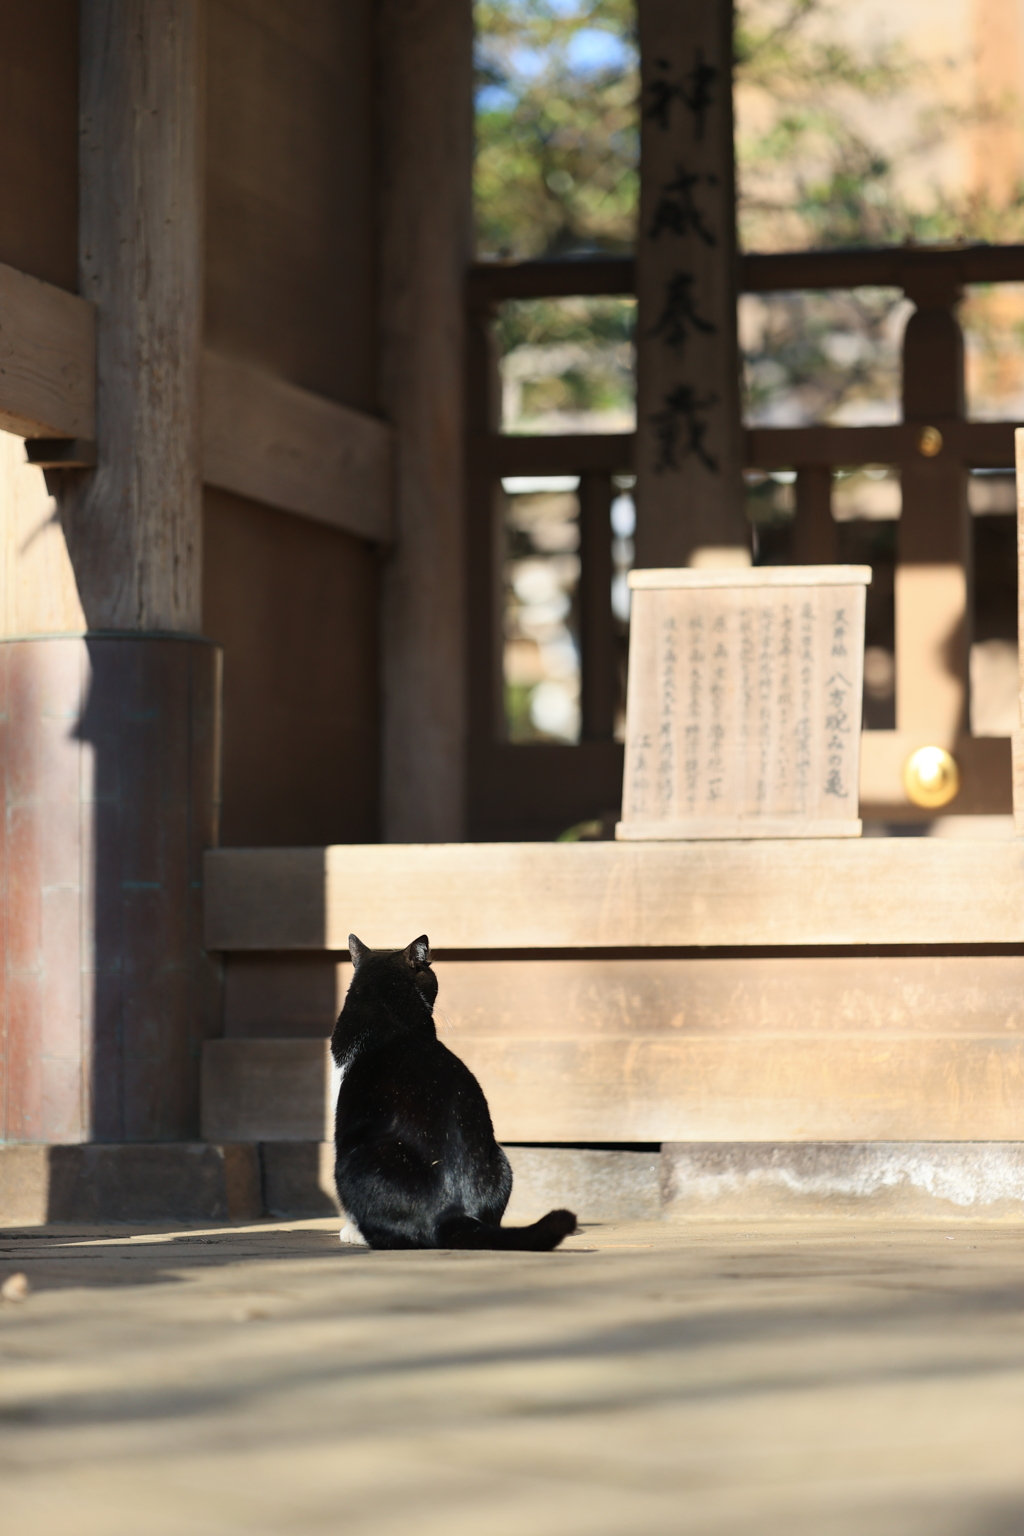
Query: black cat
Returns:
{"type": "Point", "coordinates": [417, 1163]}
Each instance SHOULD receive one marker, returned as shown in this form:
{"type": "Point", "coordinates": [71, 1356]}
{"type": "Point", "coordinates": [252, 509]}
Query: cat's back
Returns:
{"type": "Point", "coordinates": [413, 1071]}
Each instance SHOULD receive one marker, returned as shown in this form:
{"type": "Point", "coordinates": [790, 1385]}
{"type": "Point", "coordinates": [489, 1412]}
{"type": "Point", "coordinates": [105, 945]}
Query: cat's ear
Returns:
{"type": "Point", "coordinates": [418, 952]}
{"type": "Point", "coordinates": [357, 949]}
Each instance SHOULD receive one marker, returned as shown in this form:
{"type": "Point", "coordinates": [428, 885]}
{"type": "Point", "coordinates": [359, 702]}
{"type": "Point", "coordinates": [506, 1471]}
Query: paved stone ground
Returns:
{"type": "Point", "coordinates": [645, 1381]}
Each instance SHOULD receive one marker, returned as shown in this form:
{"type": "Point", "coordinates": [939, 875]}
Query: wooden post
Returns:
{"type": "Point", "coordinates": [425, 52]}
{"type": "Point", "coordinates": [815, 535]}
{"type": "Point", "coordinates": [134, 527]}
{"type": "Point", "coordinates": [1017, 739]}
{"type": "Point", "coordinates": [689, 450]}
{"type": "Point", "coordinates": [484, 542]}
{"type": "Point", "coordinates": [934, 536]}
{"type": "Point", "coordinates": [108, 697]}
{"type": "Point", "coordinates": [598, 682]}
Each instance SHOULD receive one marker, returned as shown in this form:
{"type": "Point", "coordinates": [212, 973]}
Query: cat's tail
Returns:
{"type": "Point", "coordinates": [466, 1232]}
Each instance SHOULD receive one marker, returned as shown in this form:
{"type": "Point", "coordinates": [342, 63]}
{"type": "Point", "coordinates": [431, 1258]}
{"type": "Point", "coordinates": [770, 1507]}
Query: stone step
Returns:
{"type": "Point", "coordinates": [126, 1181]}
{"type": "Point", "coordinates": [749, 1182]}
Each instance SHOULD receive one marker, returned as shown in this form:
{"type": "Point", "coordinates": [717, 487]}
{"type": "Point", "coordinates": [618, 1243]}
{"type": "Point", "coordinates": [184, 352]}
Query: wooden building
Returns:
{"type": "Point", "coordinates": [247, 486]}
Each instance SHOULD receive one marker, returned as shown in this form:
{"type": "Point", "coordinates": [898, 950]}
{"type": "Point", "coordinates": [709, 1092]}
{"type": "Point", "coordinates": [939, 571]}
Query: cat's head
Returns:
{"type": "Point", "coordinates": [411, 964]}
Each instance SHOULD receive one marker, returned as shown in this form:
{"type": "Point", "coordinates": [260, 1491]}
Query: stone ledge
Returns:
{"type": "Point", "coordinates": [901, 1180]}
{"type": "Point", "coordinates": [686, 1181]}
{"type": "Point", "coordinates": [153, 1181]}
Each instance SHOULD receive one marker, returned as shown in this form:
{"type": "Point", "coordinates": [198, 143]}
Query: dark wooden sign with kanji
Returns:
{"type": "Point", "coordinates": [689, 488]}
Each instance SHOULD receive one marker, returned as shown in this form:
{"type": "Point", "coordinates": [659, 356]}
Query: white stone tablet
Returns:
{"type": "Point", "coordinates": [743, 713]}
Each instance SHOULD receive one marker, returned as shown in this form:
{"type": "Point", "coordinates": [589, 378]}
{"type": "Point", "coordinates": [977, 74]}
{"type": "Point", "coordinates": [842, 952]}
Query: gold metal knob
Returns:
{"type": "Point", "coordinates": [929, 442]}
{"type": "Point", "coordinates": [931, 777]}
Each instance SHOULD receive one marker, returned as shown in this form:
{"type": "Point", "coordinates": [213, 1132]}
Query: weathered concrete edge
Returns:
{"type": "Point", "coordinates": [698, 1181]}
{"type": "Point", "coordinates": [964, 1180]}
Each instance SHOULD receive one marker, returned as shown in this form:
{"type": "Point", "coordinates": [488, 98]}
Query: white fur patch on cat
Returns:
{"type": "Point", "coordinates": [350, 1233]}
{"type": "Point", "coordinates": [337, 1073]}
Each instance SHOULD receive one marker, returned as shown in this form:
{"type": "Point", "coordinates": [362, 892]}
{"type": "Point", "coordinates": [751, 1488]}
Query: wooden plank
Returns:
{"type": "Point", "coordinates": [39, 141]}
{"type": "Point", "coordinates": [47, 359]}
{"type": "Point", "coordinates": [276, 443]}
{"type": "Point", "coordinates": [747, 1090]}
{"type": "Point", "coordinates": [424, 174]}
{"type": "Point", "coordinates": [608, 452]}
{"type": "Point", "coordinates": [821, 997]}
{"type": "Point", "coordinates": [489, 283]}
{"type": "Point", "coordinates": [292, 186]}
{"type": "Point", "coordinates": [611, 895]}
{"type": "Point", "coordinates": [757, 577]}
{"type": "Point", "coordinates": [269, 1090]}
{"type": "Point", "coordinates": [597, 997]}
{"type": "Point", "coordinates": [654, 1088]}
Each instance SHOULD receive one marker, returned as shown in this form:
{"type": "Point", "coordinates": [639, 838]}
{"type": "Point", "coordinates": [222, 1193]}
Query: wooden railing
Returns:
{"type": "Point", "coordinates": [517, 791]}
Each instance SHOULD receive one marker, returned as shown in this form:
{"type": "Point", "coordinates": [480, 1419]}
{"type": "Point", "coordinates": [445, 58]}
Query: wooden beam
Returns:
{"type": "Point", "coordinates": [635, 1049]}
{"type": "Point", "coordinates": [47, 359]}
{"type": "Point", "coordinates": [493, 282]}
{"type": "Point", "coordinates": [424, 175]}
{"type": "Point", "coordinates": [589, 997]}
{"type": "Point", "coordinates": [652, 1087]}
{"type": "Point", "coordinates": [60, 452]}
{"type": "Point", "coordinates": [618, 895]}
{"type": "Point", "coordinates": [271, 441]}
{"type": "Point", "coordinates": [752, 1090]}
{"type": "Point", "coordinates": [554, 455]}
{"type": "Point", "coordinates": [880, 267]}
{"type": "Point", "coordinates": [986, 444]}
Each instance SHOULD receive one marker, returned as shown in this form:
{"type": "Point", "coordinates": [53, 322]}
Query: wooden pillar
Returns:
{"type": "Point", "coordinates": [134, 527]}
{"type": "Point", "coordinates": [1017, 740]}
{"type": "Point", "coordinates": [485, 506]}
{"type": "Point", "coordinates": [425, 52]}
{"type": "Point", "coordinates": [108, 696]}
{"type": "Point", "coordinates": [689, 448]}
{"type": "Point", "coordinates": [933, 569]}
{"type": "Point", "coordinates": [598, 683]}
{"type": "Point", "coordinates": [815, 534]}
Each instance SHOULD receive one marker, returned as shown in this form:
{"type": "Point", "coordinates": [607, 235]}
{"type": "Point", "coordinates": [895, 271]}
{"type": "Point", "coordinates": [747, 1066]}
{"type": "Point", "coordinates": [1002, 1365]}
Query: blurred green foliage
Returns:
{"type": "Point", "coordinates": [558, 140]}
{"type": "Point", "coordinates": [557, 132]}
{"type": "Point", "coordinates": [835, 146]}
